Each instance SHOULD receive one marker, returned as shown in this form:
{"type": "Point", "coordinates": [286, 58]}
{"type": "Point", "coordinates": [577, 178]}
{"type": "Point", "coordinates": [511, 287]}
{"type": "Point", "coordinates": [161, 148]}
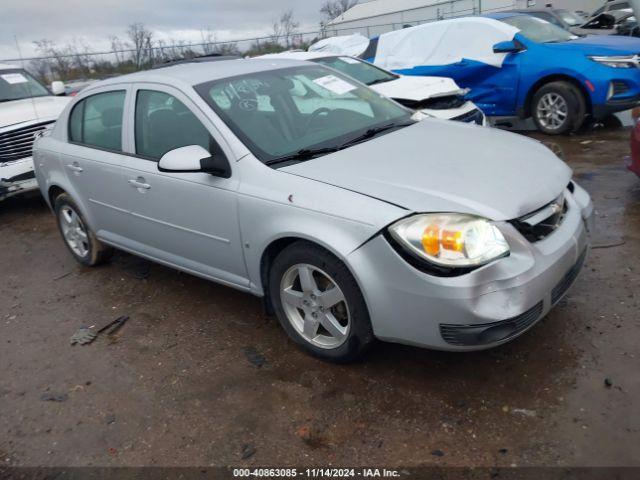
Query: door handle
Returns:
{"type": "Point", "coordinates": [75, 167]}
{"type": "Point", "coordinates": [139, 183]}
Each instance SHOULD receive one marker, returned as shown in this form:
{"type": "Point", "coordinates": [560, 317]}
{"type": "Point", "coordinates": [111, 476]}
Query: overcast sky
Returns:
{"type": "Point", "coordinates": [93, 21]}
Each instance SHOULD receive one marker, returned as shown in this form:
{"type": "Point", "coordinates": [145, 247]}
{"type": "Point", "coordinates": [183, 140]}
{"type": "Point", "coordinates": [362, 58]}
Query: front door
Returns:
{"type": "Point", "coordinates": [187, 220]}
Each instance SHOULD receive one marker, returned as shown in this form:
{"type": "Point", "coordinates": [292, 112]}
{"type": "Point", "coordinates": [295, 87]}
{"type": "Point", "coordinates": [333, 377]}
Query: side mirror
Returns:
{"type": "Point", "coordinates": [194, 158]}
{"type": "Point", "coordinates": [57, 88]}
{"type": "Point", "coordinates": [509, 46]}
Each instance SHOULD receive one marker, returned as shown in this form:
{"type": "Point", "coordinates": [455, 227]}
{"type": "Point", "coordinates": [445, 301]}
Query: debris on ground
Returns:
{"type": "Point", "coordinates": [254, 357]}
{"type": "Point", "coordinates": [60, 277]}
{"type": "Point", "coordinates": [110, 418]}
{"type": "Point", "coordinates": [86, 335]}
{"type": "Point", "coordinates": [608, 245]}
{"type": "Point", "coordinates": [83, 336]}
{"type": "Point", "coordinates": [608, 382]}
{"type": "Point", "coordinates": [247, 451]}
{"type": "Point", "coordinates": [54, 397]}
{"type": "Point", "coordinates": [142, 270]}
{"type": "Point", "coordinates": [304, 433]}
{"type": "Point", "coordinates": [524, 411]}
{"type": "Point", "coordinates": [437, 453]}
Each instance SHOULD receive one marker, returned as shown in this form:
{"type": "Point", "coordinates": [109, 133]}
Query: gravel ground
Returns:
{"type": "Point", "coordinates": [200, 376]}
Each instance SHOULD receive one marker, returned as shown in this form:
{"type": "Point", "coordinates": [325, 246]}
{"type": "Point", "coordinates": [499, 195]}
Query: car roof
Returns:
{"type": "Point", "coordinates": [213, 57]}
{"type": "Point", "coordinates": [293, 55]}
{"type": "Point", "coordinates": [537, 9]}
{"type": "Point", "coordinates": [190, 74]}
{"type": "Point", "coordinates": [501, 15]}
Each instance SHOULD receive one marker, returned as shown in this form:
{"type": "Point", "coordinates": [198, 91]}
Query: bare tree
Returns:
{"type": "Point", "coordinates": [142, 43]}
{"type": "Point", "coordinates": [226, 48]}
{"type": "Point", "coordinates": [331, 9]}
{"type": "Point", "coordinates": [284, 29]}
{"type": "Point", "coordinates": [117, 47]}
{"type": "Point", "coordinates": [59, 63]}
{"type": "Point", "coordinates": [208, 41]}
{"type": "Point", "coordinates": [289, 27]}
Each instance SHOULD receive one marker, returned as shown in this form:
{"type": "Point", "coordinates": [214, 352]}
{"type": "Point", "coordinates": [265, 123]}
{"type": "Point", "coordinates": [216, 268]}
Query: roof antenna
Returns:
{"type": "Point", "coordinates": [28, 86]}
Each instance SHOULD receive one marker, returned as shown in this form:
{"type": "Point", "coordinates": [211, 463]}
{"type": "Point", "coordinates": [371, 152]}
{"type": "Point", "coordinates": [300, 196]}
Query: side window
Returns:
{"type": "Point", "coordinates": [96, 121]}
{"type": "Point", "coordinates": [545, 16]}
{"type": "Point", "coordinates": [164, 123]}
{"type": "Point", "coordinates": [619, 6]}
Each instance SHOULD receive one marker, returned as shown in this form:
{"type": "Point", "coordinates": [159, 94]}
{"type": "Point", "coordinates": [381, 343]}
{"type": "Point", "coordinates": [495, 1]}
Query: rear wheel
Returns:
{"type": "Point", "coordinates": [558, 108]}
{"type": "Point", "coordinates": [77, 236]}
{"type": "Point", "coordinates": [319, 303]}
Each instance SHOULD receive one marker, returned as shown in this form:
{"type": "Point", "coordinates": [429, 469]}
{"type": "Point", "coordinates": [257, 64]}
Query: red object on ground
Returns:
{"type": "Point", "coordinates": [633, 162]}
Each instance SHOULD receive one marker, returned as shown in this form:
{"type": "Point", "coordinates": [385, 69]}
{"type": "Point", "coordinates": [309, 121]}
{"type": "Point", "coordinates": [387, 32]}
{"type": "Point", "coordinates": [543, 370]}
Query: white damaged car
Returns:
{"type": "Point", "coordinates": [26, 108]}
{"type": "Point", "coordinates": [437, 97]}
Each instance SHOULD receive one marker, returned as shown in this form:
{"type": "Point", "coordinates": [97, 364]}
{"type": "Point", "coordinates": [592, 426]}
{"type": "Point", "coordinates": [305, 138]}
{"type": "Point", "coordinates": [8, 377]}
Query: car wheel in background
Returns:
{"type": "Point", "coordinates": [319, 303]}
{"type": "Point", "coordinates": [558, 108]}
{"type": "Point", "coordinates": [79, 239]}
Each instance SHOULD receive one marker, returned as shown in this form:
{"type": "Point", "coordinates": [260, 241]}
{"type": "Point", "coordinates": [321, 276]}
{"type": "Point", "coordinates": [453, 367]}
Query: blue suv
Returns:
{"type": "Point", "coordinates": [548, 74]}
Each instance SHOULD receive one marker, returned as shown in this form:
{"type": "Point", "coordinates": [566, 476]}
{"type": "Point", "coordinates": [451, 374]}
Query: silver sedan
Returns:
{"type": "Point", "coordinates": [353, 218]}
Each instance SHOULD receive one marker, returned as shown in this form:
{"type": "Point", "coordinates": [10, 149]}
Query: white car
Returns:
{"type": "Point", "coordinates": [26, 108]}
{"type": "Point", "coordinates": [437, 97]}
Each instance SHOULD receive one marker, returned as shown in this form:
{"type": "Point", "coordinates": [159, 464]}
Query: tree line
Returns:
{"type": "Point", "coordinates": [139, 49]}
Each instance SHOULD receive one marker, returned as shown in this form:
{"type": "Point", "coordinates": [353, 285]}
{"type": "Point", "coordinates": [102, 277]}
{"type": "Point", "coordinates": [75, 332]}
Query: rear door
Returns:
{"type": "Point", "coordinates": [93, 158]}
{"type": "Point", "coordinates": [187, 220]}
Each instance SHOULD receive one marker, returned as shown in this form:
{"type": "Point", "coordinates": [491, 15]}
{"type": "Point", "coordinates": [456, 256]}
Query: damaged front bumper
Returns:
{"type": "Point", "coordinates": [17, 177]}
{"type": "Point", "coordinates": [467, 113]}
{"type": "Point", "coordinates": [482, 309]}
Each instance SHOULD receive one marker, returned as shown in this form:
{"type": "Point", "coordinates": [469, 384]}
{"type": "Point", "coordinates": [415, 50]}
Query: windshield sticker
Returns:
{"type": "Point", "coordinates": [334, 84]}
{"type": "Point", "coordinates": [350, 60]}
{"type": "Point", "coordinates": [14, 78]}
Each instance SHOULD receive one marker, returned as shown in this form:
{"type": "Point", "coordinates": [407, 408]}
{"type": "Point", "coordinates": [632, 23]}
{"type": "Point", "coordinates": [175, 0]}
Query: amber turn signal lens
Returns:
{"type": "Point", "coordinates": [452, 240]}
{"type": "Point", "coordinates": [431, 240]}
{"type": "Point", "coordinates": [635, 113]}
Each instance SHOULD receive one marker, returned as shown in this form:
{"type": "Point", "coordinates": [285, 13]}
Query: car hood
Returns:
{"type": "Point", "coordinates": [441, 166]}
{"type": "Point", "coordinates": [27, 109]}
{"type": "Point", "coordinates": [600, 45]}
{"type": "Point", "coordinates": [418, 88]}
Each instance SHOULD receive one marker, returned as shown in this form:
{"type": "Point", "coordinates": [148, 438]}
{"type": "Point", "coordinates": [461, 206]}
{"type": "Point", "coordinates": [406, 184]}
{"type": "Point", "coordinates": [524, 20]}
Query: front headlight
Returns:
{"type": "Point", "coordinates": [624, 61]}
{"type": "Point", "coordinates": [450, 240]}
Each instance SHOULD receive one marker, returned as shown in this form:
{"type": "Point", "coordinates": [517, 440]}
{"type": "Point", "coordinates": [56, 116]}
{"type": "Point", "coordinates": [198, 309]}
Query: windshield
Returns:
{"type": "Point", "coordinates": [570, 18]}
{"type": "Point", "coordinates": [362, 71]}
{"type": "Point", "coordinates": [18, 84]}
{"type": "Point", "coordinates": [538, 30]}
{"type": "Point", "coordinates": [277, 113]}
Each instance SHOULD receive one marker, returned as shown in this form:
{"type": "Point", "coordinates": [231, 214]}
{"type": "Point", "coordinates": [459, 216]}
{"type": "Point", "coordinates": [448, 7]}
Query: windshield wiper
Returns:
{"type": "Point", "coordinates": [301, 155]}
{"type": "Point", "coordinates": [372, 132]}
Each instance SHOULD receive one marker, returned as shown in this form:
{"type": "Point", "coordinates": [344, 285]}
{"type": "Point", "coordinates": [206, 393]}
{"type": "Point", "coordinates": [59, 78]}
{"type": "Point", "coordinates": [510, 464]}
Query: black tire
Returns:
{"type": "Point", "coordinates": [576, 107]}
{"type": "Point", "coordinates": [360, 334]}
{"type": "Point", "coordinates": [97, 252]}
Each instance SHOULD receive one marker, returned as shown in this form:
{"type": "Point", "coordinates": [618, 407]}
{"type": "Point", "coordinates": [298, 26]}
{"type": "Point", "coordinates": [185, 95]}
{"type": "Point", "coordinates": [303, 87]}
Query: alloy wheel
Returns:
{"type": "Point", "coordinates": [315, 306]}
{"type": "Point", "coordinates": [552, 111]}
{"type": "Point", "coordinates": [74, 231]}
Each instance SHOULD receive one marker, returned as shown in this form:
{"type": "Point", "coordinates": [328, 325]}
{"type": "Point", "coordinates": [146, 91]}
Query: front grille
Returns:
{"type": "Point", "coordinates": [537, 226]}
{"type": "Point", "coordinates": [485, 334]}
{"type": "Point", "coordinates": [474, 116]}
{"type": "Point", "coordinates": [437, 103]}
{"type": "Point", "coordinates": [18, 143]}
{"type": "Point", "coordinates": [561, 288]}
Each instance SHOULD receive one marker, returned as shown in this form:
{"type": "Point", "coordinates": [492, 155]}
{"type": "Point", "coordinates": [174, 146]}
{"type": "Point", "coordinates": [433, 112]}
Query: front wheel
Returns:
{"type": "Point", "coordinates": [558, 108]}
{"type": "Point", "coordinates": [319, 303]}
